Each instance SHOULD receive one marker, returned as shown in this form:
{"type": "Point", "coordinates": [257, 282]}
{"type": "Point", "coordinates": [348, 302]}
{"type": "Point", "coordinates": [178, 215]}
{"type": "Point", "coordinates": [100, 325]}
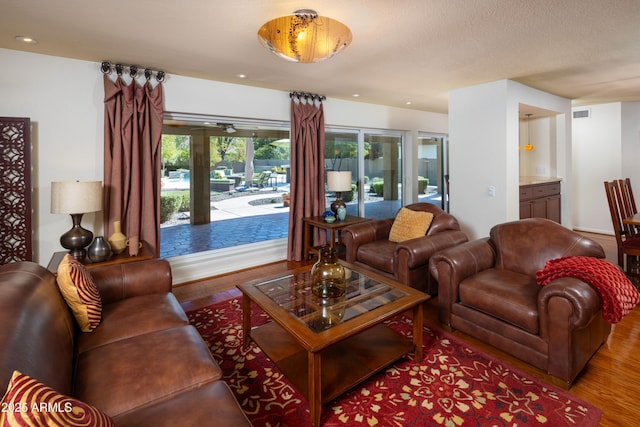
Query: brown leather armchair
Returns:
{"type": "Point", "coordinates": [488, 289]}
{"type": "Point", "coordinates": [367, 245]}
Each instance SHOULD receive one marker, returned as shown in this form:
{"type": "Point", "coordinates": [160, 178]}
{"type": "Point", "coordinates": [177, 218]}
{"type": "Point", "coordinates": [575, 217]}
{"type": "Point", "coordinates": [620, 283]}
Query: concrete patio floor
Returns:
{"type": "Point", "coordinates": [234, 221]}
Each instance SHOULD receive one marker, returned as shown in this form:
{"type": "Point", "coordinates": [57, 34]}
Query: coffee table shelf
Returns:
{"type": "Point", "coordinates": [343, 365]}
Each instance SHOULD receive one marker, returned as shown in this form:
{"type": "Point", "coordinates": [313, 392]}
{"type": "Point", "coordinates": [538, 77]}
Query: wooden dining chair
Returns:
{"type": "Point", "coordinates": [627, 239]}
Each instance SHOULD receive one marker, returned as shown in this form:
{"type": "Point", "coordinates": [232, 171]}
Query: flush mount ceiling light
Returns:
{"type": "Point", "coordinates": [304, 36]}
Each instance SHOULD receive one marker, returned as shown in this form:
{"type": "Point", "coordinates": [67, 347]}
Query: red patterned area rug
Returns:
{"type": "Point", "coordinates": [454, 385]}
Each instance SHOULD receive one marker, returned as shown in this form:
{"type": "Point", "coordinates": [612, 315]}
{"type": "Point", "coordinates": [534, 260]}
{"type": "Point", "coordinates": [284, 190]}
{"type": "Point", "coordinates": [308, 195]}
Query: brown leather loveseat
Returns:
{"type": "Point", "coordinates": [144, 365]}
{"type": "Point", "coordinates": [488, 290]}
{"type": "Point", "coordinates": [367, 245]}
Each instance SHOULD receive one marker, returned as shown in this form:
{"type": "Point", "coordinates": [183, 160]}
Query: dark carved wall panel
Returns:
{"type": "Point", "coordinates": [15, 190]}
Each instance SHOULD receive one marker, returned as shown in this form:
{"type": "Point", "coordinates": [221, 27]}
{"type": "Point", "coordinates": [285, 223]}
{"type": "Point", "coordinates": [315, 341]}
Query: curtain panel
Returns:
{"type": "Point", "coordinates": [307, 172]}
{"type": "Point", "coordinates": [133, 117]}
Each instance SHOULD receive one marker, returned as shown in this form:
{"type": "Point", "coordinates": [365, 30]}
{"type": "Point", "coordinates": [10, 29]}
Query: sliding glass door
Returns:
{"type": "Point", "coordinates": [433, 170]}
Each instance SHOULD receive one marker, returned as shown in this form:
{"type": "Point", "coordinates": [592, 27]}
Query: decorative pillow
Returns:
{"type": "Point", "coordinates": [28, 402]}
{"type": "Point", "coordinates": [81, 294]}
{"type": "Point", "coordinates": [410, 224]}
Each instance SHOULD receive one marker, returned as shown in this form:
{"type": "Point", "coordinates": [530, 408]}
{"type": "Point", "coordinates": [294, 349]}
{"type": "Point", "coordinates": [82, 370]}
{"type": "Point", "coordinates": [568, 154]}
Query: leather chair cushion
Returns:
{"type": "Point", "coordinates": [378, 254]}
{"type": "Point", "coordinates": [122, 319]}
{"type": "Point", "coordinates": [124, 375]}
{"type": "Point", "coordinates": [509, 296]}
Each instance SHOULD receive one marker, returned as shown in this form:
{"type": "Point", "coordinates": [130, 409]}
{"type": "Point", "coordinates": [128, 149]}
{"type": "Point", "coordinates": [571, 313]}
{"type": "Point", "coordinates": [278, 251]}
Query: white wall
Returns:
{"type": "Point", "coordinates": [483, 148]}
{"type": "Point", "coordinates": [541, 160]}
{"type": "Point", "coordinates": [630, 135]}
{"type": "Point", "coordinates": [64, 99]}
{"type": "Point", "coordinates": [606, 147]}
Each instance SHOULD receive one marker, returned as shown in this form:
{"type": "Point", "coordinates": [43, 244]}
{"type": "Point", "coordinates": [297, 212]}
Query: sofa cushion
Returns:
{"type": "Point", "coordinates": [29, 402]}
{"type": "Point", "coordinates": [140, 371]}
{"type": "Point", "coordinates": [210, 405]}
{"type": "Point", "coordinates": [378, 254]}
{"type": "Point", "coordinates": [509, 296]}
{"type": "Point", "coordinates": [122, 319]}
{"type": "Point", "coordinates": [410, 224]}
{"type": "Point", "coordinates": [80, 293]}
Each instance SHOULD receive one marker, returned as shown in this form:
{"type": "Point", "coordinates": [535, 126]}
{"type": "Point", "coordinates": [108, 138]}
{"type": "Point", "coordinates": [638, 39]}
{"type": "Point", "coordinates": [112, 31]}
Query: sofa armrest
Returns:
{"type": "Point", "coordinates": [118, 282]}
{"type": "Point", "coordinates": [571, 323]}
{"type": "Point", "coordinates": [418, 251]}
{"type": "Point", "coordinates": [365, 232]}
{"type": "Point", "coordinates": [451, 266]}
{"type": "Point", "coordinates": [580, 303]}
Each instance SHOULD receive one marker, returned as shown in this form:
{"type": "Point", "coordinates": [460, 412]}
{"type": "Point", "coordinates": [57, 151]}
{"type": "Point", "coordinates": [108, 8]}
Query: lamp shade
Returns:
{"type": "Point", "coordinates": [304, 36]}
{"type": "Point", "coordinates": [339, 180]}
{"type": "Point", "coordinates": [76, 197]}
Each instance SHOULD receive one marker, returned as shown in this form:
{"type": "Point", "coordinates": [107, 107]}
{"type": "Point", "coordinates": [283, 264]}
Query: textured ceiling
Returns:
{"type": "Point", "coordinates": [403, 50]}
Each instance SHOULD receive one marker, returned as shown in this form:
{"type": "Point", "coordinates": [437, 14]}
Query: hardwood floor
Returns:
{"type": "Point", "coordinates": [611, 380]}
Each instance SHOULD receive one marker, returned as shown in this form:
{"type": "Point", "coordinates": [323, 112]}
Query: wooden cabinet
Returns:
{"type": "Point", "coordinates": [540, 201]}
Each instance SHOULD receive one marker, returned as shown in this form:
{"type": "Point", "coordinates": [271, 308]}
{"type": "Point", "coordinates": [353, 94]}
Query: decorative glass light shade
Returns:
{"type": "Point", "coordinates": [305, 36]}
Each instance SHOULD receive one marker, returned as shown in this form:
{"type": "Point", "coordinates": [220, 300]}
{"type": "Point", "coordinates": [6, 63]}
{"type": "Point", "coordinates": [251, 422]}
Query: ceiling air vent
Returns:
{"type": "Point", "coordinates": [581, 114]}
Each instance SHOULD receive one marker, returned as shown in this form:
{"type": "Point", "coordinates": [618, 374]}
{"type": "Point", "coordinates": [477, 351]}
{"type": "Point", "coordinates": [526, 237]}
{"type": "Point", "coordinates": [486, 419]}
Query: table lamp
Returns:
{"type": "Point", "coordinates": [338, 181]}
{"type": "Point", "coordinates": [76, 198]}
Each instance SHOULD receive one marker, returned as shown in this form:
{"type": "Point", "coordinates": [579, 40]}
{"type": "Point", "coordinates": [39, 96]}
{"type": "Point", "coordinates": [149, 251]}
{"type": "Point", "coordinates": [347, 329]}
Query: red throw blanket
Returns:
{"type": "Point", "coordinates": [619, 296]}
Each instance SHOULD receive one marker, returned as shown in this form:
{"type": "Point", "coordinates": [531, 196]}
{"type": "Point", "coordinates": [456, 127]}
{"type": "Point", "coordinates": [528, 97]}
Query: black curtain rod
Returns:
{"type": "Point", "coordinates": [106, 67]}
{"type": "Point", "coordinates": [307, 95]}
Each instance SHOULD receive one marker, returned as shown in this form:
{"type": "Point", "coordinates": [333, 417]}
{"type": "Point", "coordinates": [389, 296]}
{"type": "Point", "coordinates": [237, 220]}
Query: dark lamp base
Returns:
{"type": "Point", "coordinates": [337, 204]}
{"type": "Point", "coordinates": [76, 239]}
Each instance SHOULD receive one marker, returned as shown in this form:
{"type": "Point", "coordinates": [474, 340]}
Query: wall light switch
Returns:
{"type": "Point", "coordinates": [491, 191]}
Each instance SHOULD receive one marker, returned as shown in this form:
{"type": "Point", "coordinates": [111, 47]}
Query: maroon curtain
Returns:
{"type": "Point", "coordinates": [307, 171]}
{"type": "Point", "coordinates": [132, 135]}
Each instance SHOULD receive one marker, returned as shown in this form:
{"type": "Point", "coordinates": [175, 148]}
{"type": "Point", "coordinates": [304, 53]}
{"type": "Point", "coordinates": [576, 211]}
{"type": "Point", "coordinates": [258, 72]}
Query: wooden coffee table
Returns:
{"type": "Point", "coordinates": [325, 347]}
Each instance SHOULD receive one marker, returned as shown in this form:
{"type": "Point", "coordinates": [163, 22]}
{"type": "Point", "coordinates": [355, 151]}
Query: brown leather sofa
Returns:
{"type": "Point", "coordinates": [488, 290]}
{"type": "Point", "coordinates": [367, 245]}
{"type": "Point", "coordinates": [144, 365]}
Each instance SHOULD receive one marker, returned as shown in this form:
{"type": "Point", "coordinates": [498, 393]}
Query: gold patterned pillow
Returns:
{"type": "Point", "coordinates": [410, 224]}
{"type": "Point", "coordinates": [81, 294]}
{"type": "Point", "coordinates": [28, 402]}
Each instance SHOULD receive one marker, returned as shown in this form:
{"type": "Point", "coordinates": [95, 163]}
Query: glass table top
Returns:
{"type": "Point", "coordinates": [363, 294]}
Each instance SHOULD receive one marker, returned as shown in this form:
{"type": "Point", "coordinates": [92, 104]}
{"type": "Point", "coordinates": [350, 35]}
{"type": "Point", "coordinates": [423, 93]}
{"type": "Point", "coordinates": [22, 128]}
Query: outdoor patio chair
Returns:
{"type": "Point", "coordinates": [262, 180]}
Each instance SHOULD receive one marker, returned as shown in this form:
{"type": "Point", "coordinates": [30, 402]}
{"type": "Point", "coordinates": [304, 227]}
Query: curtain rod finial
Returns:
{"type": "Point", "coordinates": [105, 67]}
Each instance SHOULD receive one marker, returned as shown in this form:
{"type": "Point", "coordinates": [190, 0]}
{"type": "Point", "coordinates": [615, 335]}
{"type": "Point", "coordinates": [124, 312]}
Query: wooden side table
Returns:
{"type": "Point", "coordinates": [124, 257]}
{"type": "Point", "coordinates": [333, 229]}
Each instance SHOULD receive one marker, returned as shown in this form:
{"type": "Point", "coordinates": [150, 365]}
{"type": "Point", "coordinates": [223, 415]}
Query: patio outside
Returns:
{"type": "Point", "coordinates": [252, 215]}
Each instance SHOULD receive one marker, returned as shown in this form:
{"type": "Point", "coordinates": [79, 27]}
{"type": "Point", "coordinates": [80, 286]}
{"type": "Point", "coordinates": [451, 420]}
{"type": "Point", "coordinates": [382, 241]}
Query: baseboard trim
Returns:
{"type": "Point", "coordinates": [594, 230]}
{"type": "Point", "coordinates": [187, 268]}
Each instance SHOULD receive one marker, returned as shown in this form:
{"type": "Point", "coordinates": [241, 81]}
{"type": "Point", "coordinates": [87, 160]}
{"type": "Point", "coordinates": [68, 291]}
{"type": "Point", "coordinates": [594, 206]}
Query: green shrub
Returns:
{"type": "Point", "coordinates": [184, 204]}
{"type": "Point", "coordinates": [347, 196]}
{"type": "Point", "coordinates": [422, 184]}
{"type": "Point", "coordinates": [168, 206]}
{"type": "Point", "coordinates": [378, 186]}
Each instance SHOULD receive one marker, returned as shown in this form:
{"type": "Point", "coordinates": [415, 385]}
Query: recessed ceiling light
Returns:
{"type": "Point", "coordinates": [408, 102]}
{"type": "Point", "coordinates": [241, 76]}
{"type": "Point", "coordinates": [355, 95]}
{"type": "Point", "coordinates": [26, 39]}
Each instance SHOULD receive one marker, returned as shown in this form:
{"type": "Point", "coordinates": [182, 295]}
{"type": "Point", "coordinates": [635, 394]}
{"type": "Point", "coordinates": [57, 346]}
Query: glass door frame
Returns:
{"type": "Point", "coordinates": [442, 163]}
